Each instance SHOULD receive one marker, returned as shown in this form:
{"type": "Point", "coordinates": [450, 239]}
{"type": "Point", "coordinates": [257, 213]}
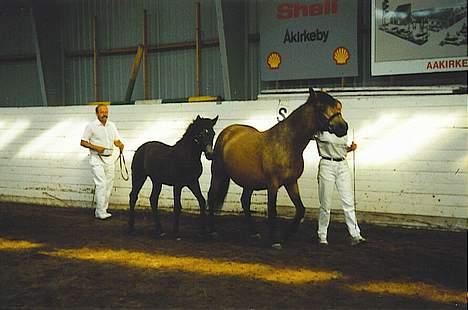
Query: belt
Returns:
{"type": "Point", "coordinates": [332, 159]}
{"type": "Point", "coordinates": [105, 155]}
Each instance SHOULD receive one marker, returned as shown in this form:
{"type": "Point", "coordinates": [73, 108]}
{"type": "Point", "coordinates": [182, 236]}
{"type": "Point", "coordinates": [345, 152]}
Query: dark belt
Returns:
{"type": "Point", "coordinates": [333, 159]}
{"type": "Point", "coordinates": [105, 155]}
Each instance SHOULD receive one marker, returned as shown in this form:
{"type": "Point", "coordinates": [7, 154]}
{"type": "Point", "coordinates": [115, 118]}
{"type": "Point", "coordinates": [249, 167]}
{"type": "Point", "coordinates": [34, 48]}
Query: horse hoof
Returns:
{"type": "Point", "coordinates": [276, 246]}
{"type": "Point", "coordinates": [159, 235]}
{"type": "Point", "coordinates": [256, 236]}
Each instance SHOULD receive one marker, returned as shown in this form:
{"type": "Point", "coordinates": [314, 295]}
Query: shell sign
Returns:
{"type": "Point", "coordinates": [308, 39]}
{"type": "Point", "coordinates": [341, 55]}
{"type": "Point", "coordinates": [274, 60]}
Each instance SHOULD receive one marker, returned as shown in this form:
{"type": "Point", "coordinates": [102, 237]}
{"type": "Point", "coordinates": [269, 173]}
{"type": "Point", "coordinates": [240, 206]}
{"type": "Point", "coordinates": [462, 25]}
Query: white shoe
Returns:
{"type": "Point", "coordinates": [323, 242]}
{"type": "Point", "coordinates": [103, 216]}
{"type": "Point", "coordinates": [357, 240]}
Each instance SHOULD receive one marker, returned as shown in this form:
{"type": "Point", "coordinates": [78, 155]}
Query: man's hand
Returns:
{"type": "Point", "coordinates": [119, 144]}
{"type": "Point", "coordinates": [99, 149]}
{"type": "Point", "coordinates": [352, 147]}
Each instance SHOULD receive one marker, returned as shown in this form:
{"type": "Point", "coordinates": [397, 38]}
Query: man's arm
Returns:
{"type": "Point", "coordinates": [91, 146]}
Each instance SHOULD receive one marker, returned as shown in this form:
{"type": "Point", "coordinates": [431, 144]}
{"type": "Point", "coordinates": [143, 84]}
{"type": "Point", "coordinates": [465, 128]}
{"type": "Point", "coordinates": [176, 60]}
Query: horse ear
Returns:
{"type": "Point", "coordinates": [198, 118]}
{"type": "Point", "coordinates": [312, 95]}
{"type": "Point", "coordinates": [214, 120]}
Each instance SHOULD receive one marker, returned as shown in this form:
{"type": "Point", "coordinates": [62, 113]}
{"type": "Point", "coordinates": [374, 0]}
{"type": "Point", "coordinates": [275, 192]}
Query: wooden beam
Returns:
{"type": "Point", "coordinates": [134, 73]}
{"type": "Point", "coordinates": [146, 82]}
{"type": "Point", "coordinates": [222, 50]}
{"type": "Point", "coordinates": [197, 50]}
{"type": "Point", "coordinates": [95, 60]}
{"type": "Point", "coordinates": [37, 48]}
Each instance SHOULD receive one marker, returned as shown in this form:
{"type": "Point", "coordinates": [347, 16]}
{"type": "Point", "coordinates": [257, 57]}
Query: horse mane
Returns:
{"type": "Point", "coordinates": [321, 100]}
{"type": "Point", "coordinates": [318, 101]}
{"type": "Point", "coordinates": [191, 131]}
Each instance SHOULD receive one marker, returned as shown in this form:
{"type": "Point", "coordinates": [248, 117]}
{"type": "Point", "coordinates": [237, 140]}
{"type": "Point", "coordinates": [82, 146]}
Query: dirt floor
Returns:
{"type": "Point", "coordinates": [64, 258]}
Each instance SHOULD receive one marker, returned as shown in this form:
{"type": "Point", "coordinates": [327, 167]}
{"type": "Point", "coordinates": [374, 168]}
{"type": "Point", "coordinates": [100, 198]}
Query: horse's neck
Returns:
{"type": "Point", "coordinates": [187, 144]}
{"type": "Point", "coordinates": [298, 128]}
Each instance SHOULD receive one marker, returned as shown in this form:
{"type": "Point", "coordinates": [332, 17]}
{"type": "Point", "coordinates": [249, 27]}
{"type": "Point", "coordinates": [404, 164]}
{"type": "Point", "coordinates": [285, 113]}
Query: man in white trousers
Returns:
{"type": "Point", "coordinates": [334, 171]}
{"type": "Point", "coordinates": [99, 137]}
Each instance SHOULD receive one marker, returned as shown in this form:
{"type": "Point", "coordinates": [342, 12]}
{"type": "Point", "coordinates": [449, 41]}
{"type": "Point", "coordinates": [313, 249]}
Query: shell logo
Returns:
{"type": "Point", "coordinates": [341, 55]}
{"type": "Point", "coordinates": [274, 60]}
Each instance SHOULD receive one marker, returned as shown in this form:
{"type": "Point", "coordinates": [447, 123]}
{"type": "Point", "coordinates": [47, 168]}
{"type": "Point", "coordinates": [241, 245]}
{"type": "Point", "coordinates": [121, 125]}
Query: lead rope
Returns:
{"type": "Point", "coordinates": [354, 186]}
{"type": "Point", "coordinates": [122, 163]}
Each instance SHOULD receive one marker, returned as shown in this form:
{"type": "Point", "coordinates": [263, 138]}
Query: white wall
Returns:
{"type": "Point", "coordinates": [411, 163]}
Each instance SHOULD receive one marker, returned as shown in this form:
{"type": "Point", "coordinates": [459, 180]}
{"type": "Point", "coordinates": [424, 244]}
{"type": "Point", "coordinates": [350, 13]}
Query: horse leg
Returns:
{"type": "Point", "coordinates": [195, 189]}
{"type": "Point", "coordinates": [272, 220]}
{"type": "Point", "coordinates": [154, 198]}
{"type": "Point", "coordinates": [177, 209]}
{"type": "Point", "coordinates": [245, 202]}
{"type": "Point", "coordinates": [293, 192]}
{"type": "Point", "coordinates": [137, 184]}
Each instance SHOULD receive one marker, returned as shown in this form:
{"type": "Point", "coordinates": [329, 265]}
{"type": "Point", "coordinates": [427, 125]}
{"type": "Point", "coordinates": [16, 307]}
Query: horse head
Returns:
{"type": "Point", "coordinates": [204, 134]}
{"type": "Point", "coordinates": [328, 113]}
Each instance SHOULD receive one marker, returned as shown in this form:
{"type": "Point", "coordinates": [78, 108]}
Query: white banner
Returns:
{"type": "Point", "coordinates": [419, 36]}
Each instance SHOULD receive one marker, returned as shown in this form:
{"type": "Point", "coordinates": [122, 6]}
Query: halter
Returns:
{"type": "Point", "coordinates": [327, 126]}
{"type": "Point", "coordinates": [198, 137]}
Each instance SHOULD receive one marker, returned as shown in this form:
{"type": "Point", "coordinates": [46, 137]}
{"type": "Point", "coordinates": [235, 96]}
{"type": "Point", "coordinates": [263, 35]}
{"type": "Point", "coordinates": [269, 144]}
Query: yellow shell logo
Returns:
{"type": "Point", "coordinates": [274, 60]}
{"type": "Point", "coordinates": [341, 55]}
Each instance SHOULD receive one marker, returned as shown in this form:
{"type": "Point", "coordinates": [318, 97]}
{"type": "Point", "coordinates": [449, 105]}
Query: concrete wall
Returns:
{"type": "Point", "coordinates": [411, 163]}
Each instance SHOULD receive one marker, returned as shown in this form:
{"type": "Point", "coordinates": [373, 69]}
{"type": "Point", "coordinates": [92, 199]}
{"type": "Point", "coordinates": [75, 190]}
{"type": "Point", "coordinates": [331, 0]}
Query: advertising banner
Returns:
{"type": "Point", "coordinates": [308, 39]}
{"type": "Point", "coordinates": [418, 36]}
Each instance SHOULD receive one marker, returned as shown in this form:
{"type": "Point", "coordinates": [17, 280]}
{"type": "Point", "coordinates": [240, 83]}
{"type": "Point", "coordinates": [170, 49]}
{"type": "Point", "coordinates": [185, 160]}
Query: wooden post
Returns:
{"type": "Point", "coordinates": [146, 91]}
{"type": "Point", "coordinates": [197, 51]}
{"type": "Point", "coordinates": [40, 71]}
{"type": "Point", "coordinates": [134, 73]}
{"type": "Point", "coordinates": [95, 59]}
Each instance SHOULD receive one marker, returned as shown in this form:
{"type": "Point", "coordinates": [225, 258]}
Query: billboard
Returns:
{"type": "Point", "coordinates": [308, 39]}
{"type": "Point", "coordinates": [418, 36]}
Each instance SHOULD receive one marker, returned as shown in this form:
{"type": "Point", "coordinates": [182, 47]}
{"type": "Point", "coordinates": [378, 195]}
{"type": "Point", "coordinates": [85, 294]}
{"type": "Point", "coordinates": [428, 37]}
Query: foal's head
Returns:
{"type": "Point", "coordinates": [202, 133]}
{"type": "Point", "coordinates": [328, 113]}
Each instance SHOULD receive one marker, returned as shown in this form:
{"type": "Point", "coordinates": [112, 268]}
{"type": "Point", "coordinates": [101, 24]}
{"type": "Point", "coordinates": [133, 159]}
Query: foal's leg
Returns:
{"type": "Point", "coordinates": [245, 202]}
{"type": "Point", "coordinates": [177, 209]}
{"type": "Point", "coordinates": [195, 189]}
{"type": "Point", "coordinates": [137, 183]}
{"type": "Point", "coordinates": [272, 220]}
{"type": "Point", "coordinates": [154, 207]}
{"type": "Point", "coordinates": [293, 192]}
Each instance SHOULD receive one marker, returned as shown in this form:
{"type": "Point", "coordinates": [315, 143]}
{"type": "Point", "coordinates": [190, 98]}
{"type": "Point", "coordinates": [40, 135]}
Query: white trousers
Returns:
{"type": "Point", "coordinates": [103, 177]}
{"type": "Point", "coordinates": [331, 174]}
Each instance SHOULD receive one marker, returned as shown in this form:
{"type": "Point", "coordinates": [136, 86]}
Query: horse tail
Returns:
{"type": "Point", "coordinates": [219, 184]}
{"type": "Point", "coordinates": [218, 190]}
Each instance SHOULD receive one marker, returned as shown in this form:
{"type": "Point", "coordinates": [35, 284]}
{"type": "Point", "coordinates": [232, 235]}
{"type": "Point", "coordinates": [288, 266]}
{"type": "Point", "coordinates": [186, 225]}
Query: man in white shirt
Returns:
{"type": "Point", "coordinates": [334, 171]}
{"type": "Point", "coordinates": [99, 137]}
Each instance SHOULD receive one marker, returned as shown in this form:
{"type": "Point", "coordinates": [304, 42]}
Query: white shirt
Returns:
{"type": "Point", "coordinates": [330, 145]}
{"type": "Point", "coordinates": [98, 134]}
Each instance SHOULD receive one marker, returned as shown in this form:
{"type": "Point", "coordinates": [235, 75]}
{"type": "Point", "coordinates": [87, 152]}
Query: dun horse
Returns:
{"type": "Point", "coordinates": [270, 159]}
{"type": "Point", "coordinates": [177, 165]}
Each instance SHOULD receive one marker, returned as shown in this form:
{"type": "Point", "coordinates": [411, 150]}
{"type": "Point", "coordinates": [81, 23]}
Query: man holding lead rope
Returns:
{"type": "Point", "coordinates": [99, 137]}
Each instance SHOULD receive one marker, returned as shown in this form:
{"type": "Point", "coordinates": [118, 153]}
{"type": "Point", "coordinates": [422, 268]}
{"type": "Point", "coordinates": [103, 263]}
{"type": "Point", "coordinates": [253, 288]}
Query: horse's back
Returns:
{"type": "Point", "coordinates": [238, 149]}
{"type": "Point", "coordinates": [149, 152]}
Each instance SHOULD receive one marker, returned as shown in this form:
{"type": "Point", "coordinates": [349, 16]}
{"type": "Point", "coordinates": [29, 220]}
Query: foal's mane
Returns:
{"type": "Point", "coordinates": [192, 129]}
